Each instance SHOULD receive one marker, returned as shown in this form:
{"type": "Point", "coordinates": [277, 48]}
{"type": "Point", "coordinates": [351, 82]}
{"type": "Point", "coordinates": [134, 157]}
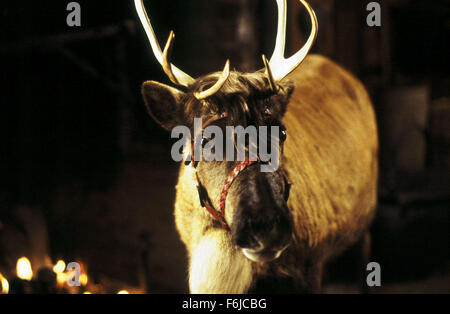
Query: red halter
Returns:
{"type": "Point", "coordinates": [205, 202]}
{"type": "Point", "coordinates": [203, 195]}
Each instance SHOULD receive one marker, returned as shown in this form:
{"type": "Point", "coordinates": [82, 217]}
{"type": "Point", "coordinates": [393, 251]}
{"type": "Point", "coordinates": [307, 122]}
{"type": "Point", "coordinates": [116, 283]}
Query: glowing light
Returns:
{"type": "Point", "coordinates": [59, 267]}
{"type": "Point", "coordinates": [123, 292]}
{"type": "Point", "coordinates": [61, 279]}
{"type": "Point", "coordinates": [87, 292]}
{"type": "Point", "coordinates": [23, 269]}
{"type": "Point", "coordinates": [83, 279]}
{"type": "Point", "coordinates": [4, 284]}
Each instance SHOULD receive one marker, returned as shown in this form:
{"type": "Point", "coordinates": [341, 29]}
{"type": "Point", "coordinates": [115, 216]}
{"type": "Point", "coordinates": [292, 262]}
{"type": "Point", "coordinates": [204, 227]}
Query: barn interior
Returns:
{"type": "Point", "coordinates": [86, 175]}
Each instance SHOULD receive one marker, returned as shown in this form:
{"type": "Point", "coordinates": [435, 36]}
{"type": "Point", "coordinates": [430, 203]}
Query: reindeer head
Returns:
{"type": "Point", "coordinates": [257, 213]}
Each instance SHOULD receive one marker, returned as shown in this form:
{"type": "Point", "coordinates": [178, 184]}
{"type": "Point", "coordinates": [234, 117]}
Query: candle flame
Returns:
{"type": "Point", "coordinates": [83, 279]}
{"type": "Point", "coordinates": [123, 292]}
{"type": "Point", "coordinates": [5, 285]}
{"type": "Point", "coordinates": [59, 267]}
{"type": "Point", "coordinates": [23, 269]}
{"type": "Point", "coordinates": [61, 278]}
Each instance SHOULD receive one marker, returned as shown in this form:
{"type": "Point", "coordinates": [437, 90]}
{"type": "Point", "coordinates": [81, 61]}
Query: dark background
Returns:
{"type": "Point", "coordinates": [86, 175]}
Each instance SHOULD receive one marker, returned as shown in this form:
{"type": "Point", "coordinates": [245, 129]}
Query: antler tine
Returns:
{"type": "Point", "coordinates": [217, 86]}
{"type": "Point", "coordinates": [281, 67]}
{"type": "Point", "coordinates": [167, 53]}
{"type": "Point", "coordinates": [272, 82]}
{"type": "Point", "coordinates": [180, 77]}
{"type": "Point", "coordinates": [280, 43]}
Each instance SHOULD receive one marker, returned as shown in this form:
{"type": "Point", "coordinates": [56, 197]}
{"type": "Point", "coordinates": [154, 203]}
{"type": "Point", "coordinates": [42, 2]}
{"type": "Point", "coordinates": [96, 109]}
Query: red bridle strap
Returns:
{"type": "Point", "coordinates": [203, 195]}
{"type": "Point", "coordinates": [220, 215]}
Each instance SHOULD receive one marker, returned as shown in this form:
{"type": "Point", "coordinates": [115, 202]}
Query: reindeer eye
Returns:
{"type": "Point", "coordinates": [204, 141]}
{"type": "Point", "coordinates": [283, 134]}
{"type": "Point", "coordinates": [287, 189]}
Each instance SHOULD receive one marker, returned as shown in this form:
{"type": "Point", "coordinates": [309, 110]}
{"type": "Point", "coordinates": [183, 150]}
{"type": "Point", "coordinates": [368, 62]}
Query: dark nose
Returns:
{"type": "Point", "coordinates": [245, 238]}
{"type": "Point", "coordinates": [262, 222]}
{"type": "Point", "coordinates": [261, 228]}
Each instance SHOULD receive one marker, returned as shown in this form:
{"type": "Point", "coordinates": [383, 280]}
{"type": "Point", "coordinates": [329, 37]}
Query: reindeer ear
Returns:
{"type": "Point", "coordinates": [164, 104]}
{"type": "Point", "coordinates": [286, 88]}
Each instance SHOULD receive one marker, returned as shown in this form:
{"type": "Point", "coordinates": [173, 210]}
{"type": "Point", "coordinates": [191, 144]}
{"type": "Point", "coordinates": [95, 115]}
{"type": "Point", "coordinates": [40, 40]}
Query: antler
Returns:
{"type": "Point", "coordinates": [167, 66]}
{"type": "Point", "coordinates": [218, 85]}
{"type": "Point", "coordinates": [175, 75]}
{"type": "Point", "coordinates": [279, 67]}
{"type": "Point", "coordinates": [180, 77]}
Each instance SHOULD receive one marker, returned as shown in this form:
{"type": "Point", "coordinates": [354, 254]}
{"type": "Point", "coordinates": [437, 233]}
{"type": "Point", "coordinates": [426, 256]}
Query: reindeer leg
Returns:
{"type": "Point", "coordinates": [313, 277]}
{"type": "Point", "coordinates": [216, 266]}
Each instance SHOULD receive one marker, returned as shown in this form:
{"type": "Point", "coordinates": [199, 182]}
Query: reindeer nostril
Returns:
{"type": "Point", "coordinates": [246, 240]}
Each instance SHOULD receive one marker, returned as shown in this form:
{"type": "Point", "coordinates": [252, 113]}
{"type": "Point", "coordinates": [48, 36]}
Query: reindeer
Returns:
{"type": "Point", "coordinates": [279, 228]}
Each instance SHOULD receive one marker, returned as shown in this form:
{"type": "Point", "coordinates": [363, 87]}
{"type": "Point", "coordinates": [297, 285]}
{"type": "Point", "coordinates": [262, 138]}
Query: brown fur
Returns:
{"type": "Point", "coordinates": [331, 159]}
